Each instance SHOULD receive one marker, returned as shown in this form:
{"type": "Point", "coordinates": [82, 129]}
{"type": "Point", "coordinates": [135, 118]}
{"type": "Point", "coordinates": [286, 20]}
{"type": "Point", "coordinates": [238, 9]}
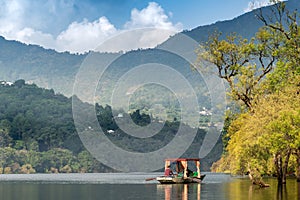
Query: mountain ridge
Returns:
{"type": "Point", "coordinates": [50, 69]}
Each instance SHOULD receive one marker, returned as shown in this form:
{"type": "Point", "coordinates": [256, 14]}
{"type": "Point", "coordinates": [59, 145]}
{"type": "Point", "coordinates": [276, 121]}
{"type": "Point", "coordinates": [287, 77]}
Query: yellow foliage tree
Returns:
{"type": "Point", "coordinates": [264, 141]}
{"type": "Point", "coordinates": [263, 74]}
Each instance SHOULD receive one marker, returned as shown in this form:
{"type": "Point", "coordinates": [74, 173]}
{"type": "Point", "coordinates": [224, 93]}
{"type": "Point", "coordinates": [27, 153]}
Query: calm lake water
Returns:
{"type": "Point", "coordinates": [133, 186]}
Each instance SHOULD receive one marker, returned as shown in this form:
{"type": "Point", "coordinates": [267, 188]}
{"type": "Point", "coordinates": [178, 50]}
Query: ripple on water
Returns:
{"type": "Point", "coordinates": [101, 178]}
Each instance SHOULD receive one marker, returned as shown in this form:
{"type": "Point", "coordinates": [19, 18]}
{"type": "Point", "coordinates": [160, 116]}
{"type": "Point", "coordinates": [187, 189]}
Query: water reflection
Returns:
{"type": "Point", "coordinates": [243, 189]}
{"type": "Point", "coordinates": [281, 192]}
{"type": "Point", "coordinates": [180, 191]}
{"type": "Point", "coordinates": [134, 186]}
{"type": "Point", "coordinates": [285, 193]}
{"type": "Point", "coordinates": [298, 190]}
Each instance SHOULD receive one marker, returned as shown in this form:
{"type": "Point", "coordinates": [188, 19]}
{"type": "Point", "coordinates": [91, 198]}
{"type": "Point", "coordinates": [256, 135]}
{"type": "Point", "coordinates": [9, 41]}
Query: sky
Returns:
{"type": "Point", "coordinates": [78, 26]}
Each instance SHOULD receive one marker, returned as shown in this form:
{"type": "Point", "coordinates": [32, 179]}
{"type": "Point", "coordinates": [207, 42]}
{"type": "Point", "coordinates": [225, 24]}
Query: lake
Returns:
{"type": "Point", "coordinates": [130, 186]}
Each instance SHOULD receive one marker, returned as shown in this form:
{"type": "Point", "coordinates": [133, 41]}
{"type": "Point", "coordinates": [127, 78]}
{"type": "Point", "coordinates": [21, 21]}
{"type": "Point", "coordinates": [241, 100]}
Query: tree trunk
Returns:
{"type": "Point", "coordinates": [281, 192]}
{"type": "Point", "coordinates": [278, 167]}
{"type": "Point", "coordinates": [285, 166]}
{"type": "Point", "coordinates": [298, 165]}
{"type": "Point", "coordinates": [256, 179]}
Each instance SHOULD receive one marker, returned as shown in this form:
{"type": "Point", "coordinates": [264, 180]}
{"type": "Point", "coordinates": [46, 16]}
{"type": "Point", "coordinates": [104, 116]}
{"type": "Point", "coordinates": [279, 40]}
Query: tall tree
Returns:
{"type": "Point", "coordinates": [241, 63]}
{"type": "Point", "coordinates": [264, 141]}
{"type": "Point", "coordinates": [263, 74]}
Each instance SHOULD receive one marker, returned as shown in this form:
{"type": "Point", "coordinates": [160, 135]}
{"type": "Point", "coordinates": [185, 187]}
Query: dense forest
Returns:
{"type": "Point", "coordinates": [37, 133]}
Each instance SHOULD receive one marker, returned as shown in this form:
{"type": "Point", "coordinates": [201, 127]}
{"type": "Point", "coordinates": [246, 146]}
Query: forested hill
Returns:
{"type": "Point", "coordinates": [37, 133]}
{"type": "Point", "coordinates": [50, 69]}
{"type": "Point", "coordinates": [30, 114]}
{"type": "Point", "coordinates": [36, 124]}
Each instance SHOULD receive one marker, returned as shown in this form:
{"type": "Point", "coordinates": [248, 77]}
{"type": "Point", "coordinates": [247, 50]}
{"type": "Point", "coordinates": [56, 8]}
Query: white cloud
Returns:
{"type": "Point", "coordinates": [153, 16]}
{"type": "Point", "coordinates": [31, 36]}
{"type": "Point", "coordinates": [10, 15]}
{"type": "Point", "coordinates": [252, 5]}
{"type": "Point", "coordinates": [135, 39]}
{"type": "Point", "coordinates": [85, 36]}
{"type": "Point", "coordinates": [11, 25]}
{"type": "Point", "coordinates": [146, 29]}
{"type": "Point", "coordinates": [80, 37]}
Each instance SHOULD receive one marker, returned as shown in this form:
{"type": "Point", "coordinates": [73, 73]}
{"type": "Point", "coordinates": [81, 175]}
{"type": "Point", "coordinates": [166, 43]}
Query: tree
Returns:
{"type": "Point", "coordinates": [263, 74]}
{"type": "Point", "coordinates": [19, 83]}
{"type": "Point", "coordinates": [5, 139]}
{"type": "Point", "coordinates": [286, 28]}
{"type": "Point", "coordinates": [241, 63]}
{"type": "Point", "coordinates": [6, 157]}
{"type": "Point", "coordinates": [27, 169]}
{"type": "Point", "coordinates": [244, 64]}
{"type": "Point", "coordinates": [263, 142]}
{"type": "Point", "coordinates": [86, 161]}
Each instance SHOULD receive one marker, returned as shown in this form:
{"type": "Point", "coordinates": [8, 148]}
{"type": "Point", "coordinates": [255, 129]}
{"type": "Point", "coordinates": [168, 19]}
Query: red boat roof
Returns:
{"type": "Point", "coordinates": [182, 159]}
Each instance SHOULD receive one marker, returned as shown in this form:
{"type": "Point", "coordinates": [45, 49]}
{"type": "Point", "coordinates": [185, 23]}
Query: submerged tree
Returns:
{"type": "Point", "coordinates": [264, 141]}
{"type": "Point", "coordinates": [262, 73]}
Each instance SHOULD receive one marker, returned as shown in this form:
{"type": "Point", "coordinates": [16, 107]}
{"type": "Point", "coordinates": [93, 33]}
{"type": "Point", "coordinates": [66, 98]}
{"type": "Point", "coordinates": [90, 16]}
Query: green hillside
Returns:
{"type": "Point", "coordinates": [37, 133]}
{"type": "Point", "coordinates": [36, 123]}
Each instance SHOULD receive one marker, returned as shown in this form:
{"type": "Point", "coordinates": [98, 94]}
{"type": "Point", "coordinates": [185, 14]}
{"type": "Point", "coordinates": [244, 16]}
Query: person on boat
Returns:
{"type": "Point", "coordinates": [189, 172]}
{"type": "Point", "coordinates": [168, 171]}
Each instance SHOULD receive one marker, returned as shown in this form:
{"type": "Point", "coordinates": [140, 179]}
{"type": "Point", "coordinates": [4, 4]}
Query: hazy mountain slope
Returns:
{"type": "Point", "coordinates": [46, 68]}
{"type": "Point", "coordinates": [51, 69]}
{"type": "Point", "coordinates": [245, 25]}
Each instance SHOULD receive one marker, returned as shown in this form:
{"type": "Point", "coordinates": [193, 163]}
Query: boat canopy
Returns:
{"type": "Point", "coordinates": [182, 159]}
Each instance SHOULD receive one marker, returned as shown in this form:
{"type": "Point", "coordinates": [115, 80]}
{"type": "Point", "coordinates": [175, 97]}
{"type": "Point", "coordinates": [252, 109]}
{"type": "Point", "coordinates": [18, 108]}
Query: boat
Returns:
{"type": "Point", "coordinates": [183, 174]}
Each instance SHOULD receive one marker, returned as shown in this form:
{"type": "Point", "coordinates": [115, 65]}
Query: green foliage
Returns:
{"type": "Point", "coordinates": [140, 119]}
{"type": "Point", "coordinates": [273, 129]}
{"type": "Point", "coordinates": [242, 63]}
{"type": "Point", "coordinates": [37, 133]}
{"type": "Point", "coordinates": [30, 115]}
{"type": "Point", "coordinates": [264, 139]}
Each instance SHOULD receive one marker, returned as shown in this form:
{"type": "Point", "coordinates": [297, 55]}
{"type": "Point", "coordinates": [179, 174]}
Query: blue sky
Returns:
{"type": "Point", "coordinates": [77, 25]}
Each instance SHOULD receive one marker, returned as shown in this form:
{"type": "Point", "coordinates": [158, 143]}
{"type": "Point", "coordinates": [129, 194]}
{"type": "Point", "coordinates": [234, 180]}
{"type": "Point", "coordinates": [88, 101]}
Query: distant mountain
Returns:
{"type": "Point", "coordinates": [245, 25]}
{"type": "Point", "coordinates": [50, 69]}
{"type": "Point", "coordinates": [46, 68]}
